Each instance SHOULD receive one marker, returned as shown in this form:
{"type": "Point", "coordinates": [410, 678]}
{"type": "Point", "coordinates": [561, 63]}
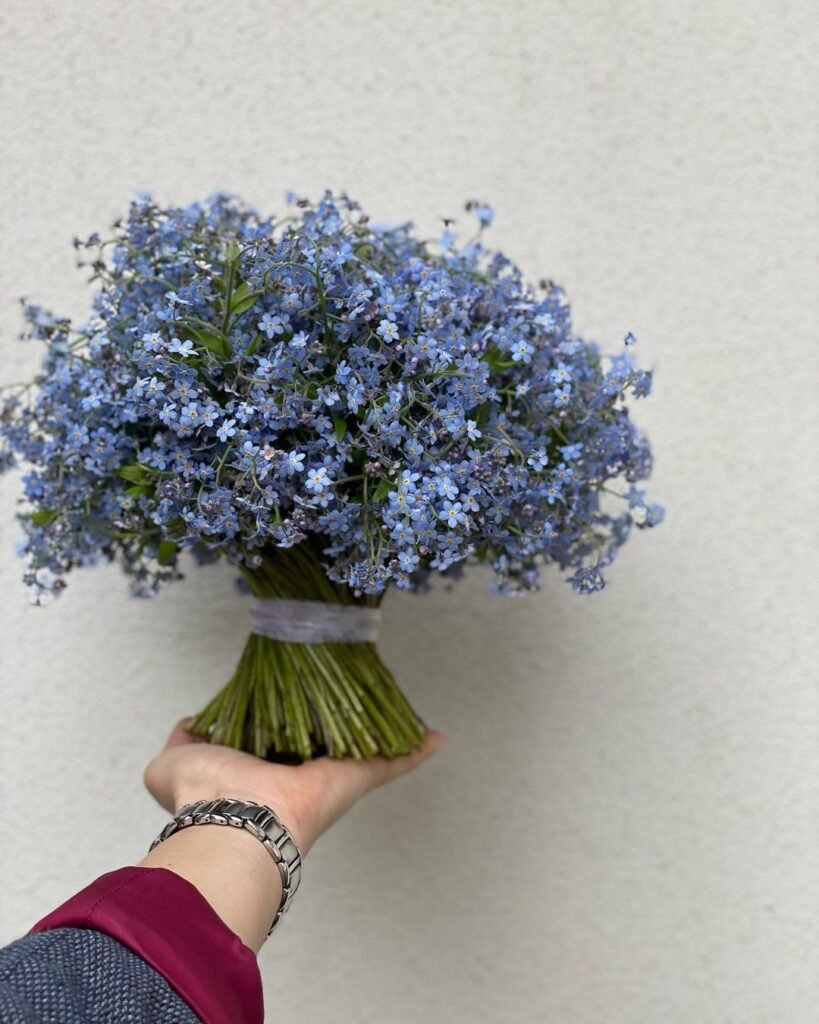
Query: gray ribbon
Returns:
{"type": "Point", "coordinates": [314, 622]}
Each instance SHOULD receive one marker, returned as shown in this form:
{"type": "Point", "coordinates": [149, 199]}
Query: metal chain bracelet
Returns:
{"type": "Point", "coordinates": [260, 821]}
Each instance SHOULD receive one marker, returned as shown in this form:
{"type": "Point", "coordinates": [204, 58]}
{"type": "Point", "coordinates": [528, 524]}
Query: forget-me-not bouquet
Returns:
{"type": "Point", "coordinates": [336, 408]}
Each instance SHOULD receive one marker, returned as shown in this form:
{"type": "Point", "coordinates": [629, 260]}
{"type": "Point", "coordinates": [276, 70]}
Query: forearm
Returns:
{"type": "Point", "coordinates": [231, 869]}
{"type": "Point", "coordinates": [197, 908]}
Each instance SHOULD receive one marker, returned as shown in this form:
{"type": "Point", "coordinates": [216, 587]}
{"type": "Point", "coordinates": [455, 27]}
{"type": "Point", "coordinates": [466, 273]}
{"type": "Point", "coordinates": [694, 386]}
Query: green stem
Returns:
{"type": "Point", "coordinates": [305, 700]}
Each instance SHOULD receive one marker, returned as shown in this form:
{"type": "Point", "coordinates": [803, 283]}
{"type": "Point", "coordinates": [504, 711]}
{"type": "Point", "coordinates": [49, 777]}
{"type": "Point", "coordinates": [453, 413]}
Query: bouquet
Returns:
{"type": "Point", "coordinates": [337, 408]}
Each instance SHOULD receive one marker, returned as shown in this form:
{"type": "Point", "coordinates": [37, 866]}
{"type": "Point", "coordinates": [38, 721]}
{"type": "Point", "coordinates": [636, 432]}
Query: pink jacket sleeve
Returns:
{"type": "Point", "coordinates": [168, 923]}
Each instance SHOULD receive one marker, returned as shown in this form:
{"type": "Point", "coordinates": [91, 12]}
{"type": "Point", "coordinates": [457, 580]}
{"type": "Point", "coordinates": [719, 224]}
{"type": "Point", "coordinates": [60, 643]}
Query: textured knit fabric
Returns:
{"type": "Point", "coordinates": [80, 976]}
{"type": "Point", "coordinates": [168, 930]}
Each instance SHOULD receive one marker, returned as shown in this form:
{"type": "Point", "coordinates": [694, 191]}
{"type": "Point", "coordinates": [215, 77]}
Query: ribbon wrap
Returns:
{"type": "Point", "coordinates": [314, 622]}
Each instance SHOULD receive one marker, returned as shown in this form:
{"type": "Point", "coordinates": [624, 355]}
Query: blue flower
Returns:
{"type": "Point", "coordinates": [564, 474]}
{"type": "Point", "coordinates": [293, 463]}
{"type": "Point", "coordinates": [226, 430]}
{"type": "Point", "coordinates": [388, 330]}
{"type": "Point", "coordinates": [272, 324]}
{"type": "Point", "coordinates": [539, 458]}
{"type": "Point", "coordinates": [395, 402]}
{"type": "Point", "coordinates": [483, 212]}
{"type": "Point", "coordinates": [317, 479]}
{"type": "Point", "coordinates": [636, 497]}
{"type": "Point", "coordinates": [547, 322]}
{"type": "Point", "coordinates": [182, 348]}
{"type": "Point", "coordinates": [522, 351]}
{"type": "Point", "coordinates": [343, 372]}
{"type": "Point", "coordinates": [452, 513]}
{"type": "Point", "coordinates": [562, 396]}
{"type": "Point", "coordinates": [552, 492]}
{"type": "Point", "coordinates": [641, 381]}
{"type": "Point", "coordinates": [570, 452]}
{"type": "Point", "coordinates": [561, 374]}
{"type": "Point", "coordinates": [446, 488]}
{"type": "Point", "coordinates": [408, 560]}
{"type": "Point", "coordinates": [586, 580]}
{"type": "Point", "coordinates": [191, 415]}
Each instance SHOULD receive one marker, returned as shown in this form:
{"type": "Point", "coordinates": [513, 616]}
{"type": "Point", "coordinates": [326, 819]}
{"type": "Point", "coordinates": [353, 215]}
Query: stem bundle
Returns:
{"type": "Point", "coordinates": [303, 700]}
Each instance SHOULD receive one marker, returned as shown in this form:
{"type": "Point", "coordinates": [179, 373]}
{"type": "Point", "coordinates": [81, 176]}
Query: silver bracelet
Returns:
{"type": "Point", "coordinates": [260, 821]}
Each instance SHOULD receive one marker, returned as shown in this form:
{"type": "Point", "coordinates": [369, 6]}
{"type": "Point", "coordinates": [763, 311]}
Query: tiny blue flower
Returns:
{"type": "Point", "coordinates": [586, 580]}
{"type": "Point", "coordinates": [562, 396]}
{"type": "Point", "coordinates": [293, 463]}
{"type": "Point", "coordinates": [446, 488]}
{"type": "Point", "coordinates": [561, 374]}
{"type": "Point", "coordinates": [538, 459]}
{"type": "Point", "coordinates": [484, 213]}
{"type": "Point", "coordinates": [388, 330]}
{"type": "Point", "coordinates": [452, 513]}
{"type": "Point", "coordinates": [182, 348]}
{"type": "Point", "coordinates": [408, 560]}
{"type": "Point", "coordinates": [272, 324]}
{"type": "Point", "coordinates": [570, 452]}
{"type": "Point", "coordinates": [226, 430]}
{"type": "Point", "coordinates": [316, 479]}
{"type": "Point", "coordinates": [522, 351]}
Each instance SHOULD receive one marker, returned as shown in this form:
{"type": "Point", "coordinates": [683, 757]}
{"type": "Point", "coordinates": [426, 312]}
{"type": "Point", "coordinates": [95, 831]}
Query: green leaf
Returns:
{"type": "Point", "coordinates": [213, 341]}
{"type": "Point", "coordinates": [232, 251]}
{"type": "Point", "coordinates": [253, 346]}
{"type": "Point", "coordinates": [166, 552]}
{"type": "Point", "coordinates": [135, 474]}
{"type": "Point", "coordinates": [138, 491]}
{"type": "Point", "coordinates": [45, 517]}
{"type": "Point", "coordinates": [493, 357]}
{"type": "Point", "coordinates": [340, 427]}
{"type": "Point", "coordinates": [383, 489]}
{"type": "Point", "coordinates": [237, 308]}
{"type": "Point", "coordinates": [243, 299]}
{"type": "Point", "coordinates": [241, 291]}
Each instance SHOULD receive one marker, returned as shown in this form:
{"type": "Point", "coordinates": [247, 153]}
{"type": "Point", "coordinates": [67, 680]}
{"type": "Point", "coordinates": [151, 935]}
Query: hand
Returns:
{"type": "Point", "coordinates": [308, 798]}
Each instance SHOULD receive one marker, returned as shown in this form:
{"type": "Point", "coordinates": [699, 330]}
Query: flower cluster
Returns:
{"type": "Point", "coordinates": [244, 384]}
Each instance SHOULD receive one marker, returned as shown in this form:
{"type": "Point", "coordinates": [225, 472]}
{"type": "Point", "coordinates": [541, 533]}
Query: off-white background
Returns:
{"type": "Point", "coordinates": [623, 828]}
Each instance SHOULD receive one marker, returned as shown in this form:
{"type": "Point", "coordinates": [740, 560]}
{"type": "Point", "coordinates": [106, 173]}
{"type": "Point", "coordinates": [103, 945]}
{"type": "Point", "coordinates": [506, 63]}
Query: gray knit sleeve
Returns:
{"type": "Point", "coordinates": [82, 976]}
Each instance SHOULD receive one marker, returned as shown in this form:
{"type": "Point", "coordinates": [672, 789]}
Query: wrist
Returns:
{"type": "Point", "coordinates": [231, 869]}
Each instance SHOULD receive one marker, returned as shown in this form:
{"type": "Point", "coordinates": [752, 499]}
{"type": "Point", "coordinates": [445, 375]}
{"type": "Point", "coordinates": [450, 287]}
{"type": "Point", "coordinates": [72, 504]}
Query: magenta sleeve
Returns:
{"type": "Point", "coordinates": [167, 922]}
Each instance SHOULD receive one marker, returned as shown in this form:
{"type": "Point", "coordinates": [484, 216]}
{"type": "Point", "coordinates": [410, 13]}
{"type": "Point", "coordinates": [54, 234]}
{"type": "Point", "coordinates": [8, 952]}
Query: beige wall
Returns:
{"type": "Point", "coordinates": [623, 828]}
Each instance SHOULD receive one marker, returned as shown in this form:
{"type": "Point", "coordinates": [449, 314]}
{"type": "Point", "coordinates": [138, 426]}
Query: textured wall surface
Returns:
{"type": "Point", "coordinates": [623, 827]}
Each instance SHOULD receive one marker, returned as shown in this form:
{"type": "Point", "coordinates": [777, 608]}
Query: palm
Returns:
{"type": "Point", "coordinates": [308, 797]}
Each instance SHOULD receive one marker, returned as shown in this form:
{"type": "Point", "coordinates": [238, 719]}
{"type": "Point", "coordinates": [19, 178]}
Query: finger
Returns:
{"type": "Point", "coordinates": [379, 770]}
{"type": "Point", "coordinates": [387, 769]}
{"type": "Point", "coordinates": [180, 735]}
